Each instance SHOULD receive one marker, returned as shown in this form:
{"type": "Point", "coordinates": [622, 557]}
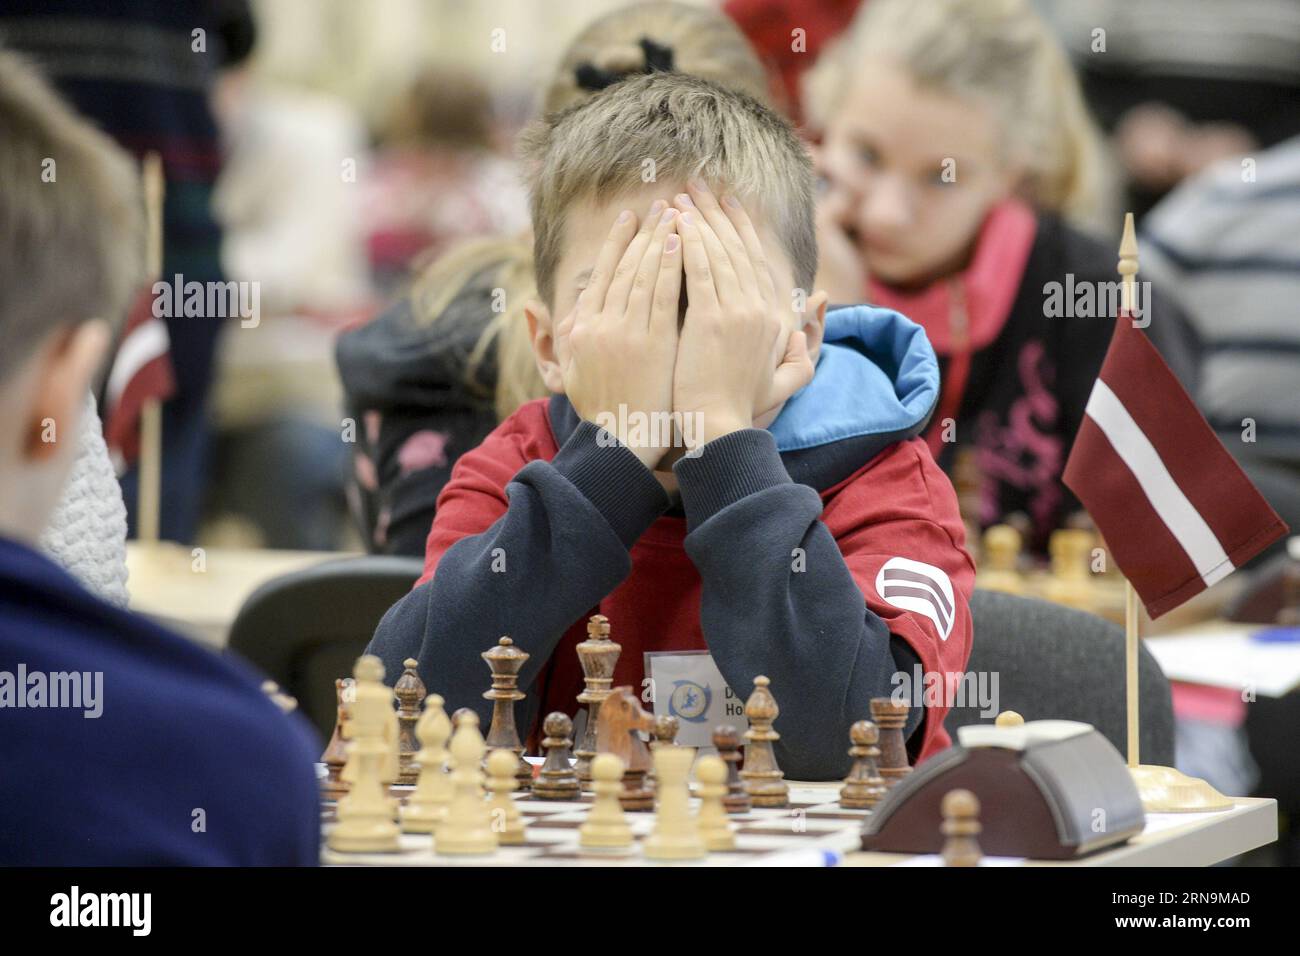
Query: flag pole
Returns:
{"type": "Point", "coordinates": [1162, 789]}
{"type": "Point", "coordinates": [1131, 668]}
{"type": "Point", "coordinates": [149, 490]}
{"type": "Point", "coordinates": [1128, 269]}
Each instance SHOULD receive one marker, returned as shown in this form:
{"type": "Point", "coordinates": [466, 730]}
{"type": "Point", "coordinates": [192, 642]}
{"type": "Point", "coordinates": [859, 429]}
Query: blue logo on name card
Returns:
{"type": "Point", "coordinates": [690, 701]}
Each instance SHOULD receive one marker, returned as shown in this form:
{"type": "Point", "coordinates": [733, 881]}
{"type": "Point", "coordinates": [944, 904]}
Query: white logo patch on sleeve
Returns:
{"type": "Point", "coordinates": [923, 588]}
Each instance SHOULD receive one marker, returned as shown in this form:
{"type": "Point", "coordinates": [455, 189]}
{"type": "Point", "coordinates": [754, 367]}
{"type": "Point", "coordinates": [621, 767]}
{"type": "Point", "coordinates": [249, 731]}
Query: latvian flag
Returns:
{"type": "Point", "coordinates": [1177, 513]}
{"type": "Point", "coordinates": [141, 370]}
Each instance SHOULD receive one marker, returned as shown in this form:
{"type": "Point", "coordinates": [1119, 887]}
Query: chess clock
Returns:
{"type": "Point", "coordinates": [1048, 789]}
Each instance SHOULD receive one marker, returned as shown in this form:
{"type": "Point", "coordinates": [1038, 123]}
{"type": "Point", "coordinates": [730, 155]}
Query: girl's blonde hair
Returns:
{"type": "Point", "coordinates": [705, 43]}
{"type": "Point", "coordinates": [1002, 53]}
{"type": "Point", "coordinates": [507, 263]}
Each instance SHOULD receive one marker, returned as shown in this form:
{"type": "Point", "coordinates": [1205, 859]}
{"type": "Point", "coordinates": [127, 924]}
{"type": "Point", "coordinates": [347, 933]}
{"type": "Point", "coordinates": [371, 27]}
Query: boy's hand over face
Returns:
{"type": "Point", "coordinates": [737, 358]}
{"type": "Point", "coordinates": [618, 345]}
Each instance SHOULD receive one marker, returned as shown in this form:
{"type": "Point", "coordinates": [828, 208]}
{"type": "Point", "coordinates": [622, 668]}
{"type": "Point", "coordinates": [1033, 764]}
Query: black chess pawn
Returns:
{"type": "Point", "coordinates": [889, 716]}
{"type": "Point", "coordinates": [557, 779]}
{"type": "Point", "coordinates": [663, 733]}
{"type": "Point", "coordinates": [863, 787]}
{"type": "Point", "coordinates": [727, 739]}
{"type": "Point", "coordinates": [960, 810]}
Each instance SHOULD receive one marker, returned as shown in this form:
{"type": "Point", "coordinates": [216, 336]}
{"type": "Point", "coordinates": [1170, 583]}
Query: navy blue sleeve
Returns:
{"type": "Point", "coordinates": [810, 630]}
{"type": "Point", "coordinates": [559, 549]}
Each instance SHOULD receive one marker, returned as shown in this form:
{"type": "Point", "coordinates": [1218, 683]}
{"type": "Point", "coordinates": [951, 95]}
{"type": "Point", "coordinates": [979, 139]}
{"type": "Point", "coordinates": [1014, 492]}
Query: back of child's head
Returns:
{"type": "Point", "coordinates": [668, 128]}
{"type": "Point", "coordinates": [999, 52]}
{"type": "Point", "coordinates": [70, 233]}
{"type": "Point", "coordinates": [448, 109]}
{"type": "Point", "coordinates": [645, 36]}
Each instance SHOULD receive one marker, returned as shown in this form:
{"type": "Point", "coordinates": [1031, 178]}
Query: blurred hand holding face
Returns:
{"type": "Point", "coordinates": [911, 174]}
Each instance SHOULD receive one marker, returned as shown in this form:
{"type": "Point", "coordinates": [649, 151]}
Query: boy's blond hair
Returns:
{"type": "Point", "coordinates": [1001, 53]}
{"type": "Point", "coordinates": [70, 217]}
{"type": "Point", "coordinates": [668, 127]}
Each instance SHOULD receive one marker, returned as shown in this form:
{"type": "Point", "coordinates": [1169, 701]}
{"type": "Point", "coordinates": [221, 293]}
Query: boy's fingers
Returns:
{"type": "Point", "coordinates": [668, 288]}
{"type": "Point", "coordinates": [620, 285]}
{"type": "Point", "coordinates": [593, 296]}
{"type": "Point", "coordinates": [795, 371]}
{"type": "Point", "coordinates": [647, 273]}
{"type": "Point", "coordinates": [744, 226]}
{"type": "Point", "coordinates": [725, 281]}
{"type": "Point", "coordinates": [699, 274]}
{"type": "Point", "coordinates": [726, 232]}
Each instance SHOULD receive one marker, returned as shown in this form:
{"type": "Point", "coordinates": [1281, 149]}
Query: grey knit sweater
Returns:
{"type": "Point", "coordinates": [86, 533]}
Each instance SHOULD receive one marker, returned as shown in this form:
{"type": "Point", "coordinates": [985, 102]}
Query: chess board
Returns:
{"type": "Point", "coordinates": [814, 821]}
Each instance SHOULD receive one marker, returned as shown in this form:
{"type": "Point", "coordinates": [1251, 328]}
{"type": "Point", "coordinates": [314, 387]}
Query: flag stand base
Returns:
{"type": "Point", "coordinates": [1166, 790]}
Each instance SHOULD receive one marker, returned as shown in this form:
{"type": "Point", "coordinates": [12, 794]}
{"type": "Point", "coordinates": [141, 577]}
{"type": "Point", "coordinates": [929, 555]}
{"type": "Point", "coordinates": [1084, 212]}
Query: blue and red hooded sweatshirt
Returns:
{"type": "Point", "coordinates": [825, 552]}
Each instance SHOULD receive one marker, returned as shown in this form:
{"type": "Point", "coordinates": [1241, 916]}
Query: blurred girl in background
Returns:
{"type": "Point", "coordinates": [960, 166]}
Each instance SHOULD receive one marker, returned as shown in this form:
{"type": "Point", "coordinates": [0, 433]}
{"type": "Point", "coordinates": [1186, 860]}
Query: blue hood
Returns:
{"type": "Point", "coordinates": [877, 383]}
{"type": "Point", "coordinates": [877, 375]}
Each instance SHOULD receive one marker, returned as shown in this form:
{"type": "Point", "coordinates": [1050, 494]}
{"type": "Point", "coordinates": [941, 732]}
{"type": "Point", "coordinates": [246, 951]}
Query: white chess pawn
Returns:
{"type": "Point", "coordinates": [606, 826]}
{"type": "Point", "coordinates": [676, 835]}
{"type": "Point", "coordinates": [466, 830]}
{"type": "Point", "coordinates": [712, 820]}
{"type": "Point", "coordinates": [428, 802]}
{"type": "Point", "coordinates": [365, 814]}
{"type": "Point", "coordinates": [507, 821]}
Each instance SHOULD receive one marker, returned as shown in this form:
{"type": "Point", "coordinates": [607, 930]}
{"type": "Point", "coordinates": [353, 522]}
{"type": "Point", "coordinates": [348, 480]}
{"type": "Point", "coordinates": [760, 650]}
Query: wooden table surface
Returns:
{"type": "Point", "coordinates": [198, 591]}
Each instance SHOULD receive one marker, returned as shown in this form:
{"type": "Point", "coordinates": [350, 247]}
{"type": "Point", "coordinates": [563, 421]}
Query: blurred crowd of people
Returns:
{"type": "Point", "coordinates": [971, 154]}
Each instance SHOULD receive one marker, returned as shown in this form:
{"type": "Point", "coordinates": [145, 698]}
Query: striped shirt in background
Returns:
{"type": "Point", "coordinates": [1230, 250]}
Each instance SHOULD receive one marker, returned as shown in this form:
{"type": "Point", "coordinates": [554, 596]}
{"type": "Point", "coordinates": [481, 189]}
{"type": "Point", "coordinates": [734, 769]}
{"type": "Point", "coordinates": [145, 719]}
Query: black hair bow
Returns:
{"type": "Point", "coordinates": [658, 59]}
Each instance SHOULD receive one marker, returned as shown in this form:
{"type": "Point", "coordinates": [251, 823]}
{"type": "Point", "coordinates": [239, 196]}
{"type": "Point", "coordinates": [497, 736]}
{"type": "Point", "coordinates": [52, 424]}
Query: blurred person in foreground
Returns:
{"type": "Point", "coordinates": [123, 743]}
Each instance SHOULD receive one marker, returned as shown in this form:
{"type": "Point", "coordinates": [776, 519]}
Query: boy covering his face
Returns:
{"type": "Point", "coordinates": [790, 523]}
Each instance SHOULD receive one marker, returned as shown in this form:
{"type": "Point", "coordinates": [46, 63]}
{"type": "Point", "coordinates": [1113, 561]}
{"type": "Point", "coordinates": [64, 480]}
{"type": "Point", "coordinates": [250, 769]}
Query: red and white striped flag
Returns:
{"type": "Point", "coordinates": [141, 370]}
{"type": "Point", "coordinates": [1177, 512]}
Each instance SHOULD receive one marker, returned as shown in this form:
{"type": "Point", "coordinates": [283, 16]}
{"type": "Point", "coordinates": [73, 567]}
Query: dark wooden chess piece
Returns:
{"type": "Point", "coordinates": [863, 787]}
{"type": "Point", "coordinates": [889, 716]}
{"type": "Point", "coordinates": [662, 733]}
{"type": "Point", "coordinates": [961, 825]}
{"type": "Point", "coordinates": [505, 661]}
{"type": "Point", "coordinates": [458, 714]}
{"type": "Point", "coordinates": [410, 696]}
{"type": "Point", "coordinates": [597, 655]}
{"type": "Point", "coordinates": [763, 778]}
{"type": "Point", "coordinates": [336, 751]}
{"type": "Point", "coordinates": [621, 717]}
{"type": "Point", "coordinates": [557, 779]}
{"type": "Point", "coordinates": [727, 739]}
